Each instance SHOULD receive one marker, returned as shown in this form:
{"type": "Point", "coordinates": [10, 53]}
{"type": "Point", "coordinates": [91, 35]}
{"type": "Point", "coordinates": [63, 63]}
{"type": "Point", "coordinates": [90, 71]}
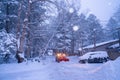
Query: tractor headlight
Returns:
{"type": "Point", "coordinates": [58, 55]}
{"type": "Point", "coordinates": [63, 55]}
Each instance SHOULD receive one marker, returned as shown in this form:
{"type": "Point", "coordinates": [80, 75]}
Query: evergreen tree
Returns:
{"type": "Point", "coordinates": [94, 30]}
{"type": "Point", "coordinates": [113, 24]}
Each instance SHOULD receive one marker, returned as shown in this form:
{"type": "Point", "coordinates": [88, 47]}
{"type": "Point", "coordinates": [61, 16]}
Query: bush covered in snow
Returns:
{"type": "Point", "coordinates": [7, 46]}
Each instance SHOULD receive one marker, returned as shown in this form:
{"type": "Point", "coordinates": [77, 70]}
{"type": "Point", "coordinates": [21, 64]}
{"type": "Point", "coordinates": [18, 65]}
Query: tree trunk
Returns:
{"type": "Point", "coordinates": [28, 52]}
{"type": "Point", "coordinates": [7, 18]}
{"type": "Point", "coordinates": [19, 39]}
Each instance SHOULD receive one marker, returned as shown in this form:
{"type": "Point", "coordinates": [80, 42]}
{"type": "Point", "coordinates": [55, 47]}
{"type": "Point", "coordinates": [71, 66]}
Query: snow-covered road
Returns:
{"type": "Point", "coordinates": [50, 70]}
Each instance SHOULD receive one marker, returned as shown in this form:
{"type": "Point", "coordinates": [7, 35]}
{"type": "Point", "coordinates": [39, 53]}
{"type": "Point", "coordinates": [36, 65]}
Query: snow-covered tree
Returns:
{"type": "Point", "coordinates": [94, 30]}
{"type": "Point", "coordinates": [113, 24]}
{"type": "Point", "coordinates": [9, 14]}
{"type": "Point", "coordinates": [67, 17]}
{"type": "Point", "coordinates": [7, 46]}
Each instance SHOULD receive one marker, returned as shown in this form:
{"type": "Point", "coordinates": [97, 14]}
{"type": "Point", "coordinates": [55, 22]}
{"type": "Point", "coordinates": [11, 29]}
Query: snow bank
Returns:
{"type": "Point", "coordinates": [112, 70]}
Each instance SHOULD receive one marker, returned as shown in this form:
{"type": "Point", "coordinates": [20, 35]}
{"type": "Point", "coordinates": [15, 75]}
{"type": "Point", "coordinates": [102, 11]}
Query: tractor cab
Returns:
{"type": "Point", "coordinates": [61, 57]}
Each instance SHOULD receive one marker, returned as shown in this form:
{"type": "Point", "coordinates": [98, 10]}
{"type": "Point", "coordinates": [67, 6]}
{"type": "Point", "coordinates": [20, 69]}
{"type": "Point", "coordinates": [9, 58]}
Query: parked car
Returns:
{"type": "Point", "coordinates": [83, 61]}
{"type": "Point", "coordinates": [94, 57]}
{"type": "Point", "coordinates": [61, 57]}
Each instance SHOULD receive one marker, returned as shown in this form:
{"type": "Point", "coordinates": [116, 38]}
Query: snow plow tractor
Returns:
{"type": "Point", "coordinates": [61, 57]}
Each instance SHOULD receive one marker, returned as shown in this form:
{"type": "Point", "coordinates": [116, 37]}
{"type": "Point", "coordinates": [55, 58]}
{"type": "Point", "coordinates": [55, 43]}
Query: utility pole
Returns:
{"type": "Point", "coordinates": [81, 43]}
{"type": "Point", "coordinates": [72, 42]}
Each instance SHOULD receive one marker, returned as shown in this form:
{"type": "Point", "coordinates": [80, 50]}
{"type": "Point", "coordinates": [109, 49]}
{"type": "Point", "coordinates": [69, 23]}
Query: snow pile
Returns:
{"type": "Point", "coordinates": [115, 66]}
{"type": "Point", "coordinates": [7, 44]}
{"type": "Point", "coordinates": [95, 54]}
{"type": "Point", "coordinates": [111, 69]}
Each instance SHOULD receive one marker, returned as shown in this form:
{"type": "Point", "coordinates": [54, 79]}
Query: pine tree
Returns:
{"type": "Point", "coordinates": [113, 24]}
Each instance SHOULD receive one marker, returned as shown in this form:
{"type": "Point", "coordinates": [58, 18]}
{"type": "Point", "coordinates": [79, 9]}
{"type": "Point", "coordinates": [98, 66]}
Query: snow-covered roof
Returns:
{"type": "Point", "coordinates": [115, 45]}
{"type": "Point", "coordinates": [95, 54]}
{"type": "Point", "coordinates": [99, 44]}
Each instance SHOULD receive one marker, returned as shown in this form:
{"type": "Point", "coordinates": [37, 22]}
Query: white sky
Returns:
{"type": "Point", "coordinates": [103, 9]}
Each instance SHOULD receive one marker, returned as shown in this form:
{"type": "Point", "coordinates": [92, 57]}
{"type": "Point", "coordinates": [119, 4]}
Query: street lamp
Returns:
{"type": "Point", "coordinates": [75, 28]}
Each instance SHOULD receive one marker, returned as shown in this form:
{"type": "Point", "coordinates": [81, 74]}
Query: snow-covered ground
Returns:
{"type": "Point", "coordinates": [50, 70]}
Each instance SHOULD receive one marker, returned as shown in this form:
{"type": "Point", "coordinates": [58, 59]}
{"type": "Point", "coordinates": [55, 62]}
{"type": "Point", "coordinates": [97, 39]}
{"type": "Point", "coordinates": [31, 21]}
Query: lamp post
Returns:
{"type": "Point", "coordinates": [75, 28]}
{"type": "Point", "coordinates": [94, 38]}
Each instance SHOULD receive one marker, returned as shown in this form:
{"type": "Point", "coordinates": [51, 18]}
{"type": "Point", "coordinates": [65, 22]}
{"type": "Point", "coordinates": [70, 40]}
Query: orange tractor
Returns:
{"type": "Point", "coordinates": [61, 57]}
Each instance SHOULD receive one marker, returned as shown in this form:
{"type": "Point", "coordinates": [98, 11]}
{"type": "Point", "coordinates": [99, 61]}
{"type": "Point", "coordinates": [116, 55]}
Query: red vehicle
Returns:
{"type": "Point", "coordinates": [61, 57]}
